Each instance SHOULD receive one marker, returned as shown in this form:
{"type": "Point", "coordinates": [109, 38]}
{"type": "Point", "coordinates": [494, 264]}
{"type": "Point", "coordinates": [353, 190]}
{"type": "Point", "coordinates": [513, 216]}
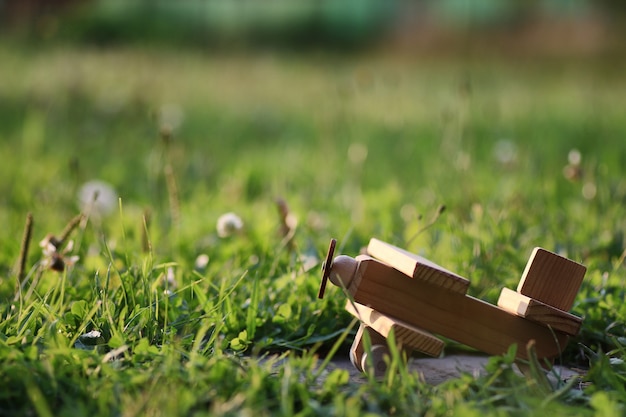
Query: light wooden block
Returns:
{"type": "Point", "coordinates": [406, 335]}
{"type": "Point", "coordinates": [379, 351]}
{"type": "Point", "coordinates": [539, 312]}
{"type": "Point", "coordinates": [551, 279]}
{"type": "Point", "coordinates": [465, 319]}
{"type": "Point", "coordinates": [416, 266]}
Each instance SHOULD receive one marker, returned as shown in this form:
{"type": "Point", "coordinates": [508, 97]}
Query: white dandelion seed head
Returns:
{"type": "Point", "coordinates": [505, 151]}
{"type": "Point", "coordinates": [357, 153]}
{"type": "Point", "coordinates": [97, 198]}
{"type": "Point", "coordinates": [315, 220]}
{"type": "Point", "coordinates": [202, 261]}
{"type": "Point", "coordinates": [574, 157]}
{"type": "Point", "coordinates": [463, 161]}
{"type": "Point", "coordinates": [589, 190]}
{"type": "Point", "coordinates": [253, 259]}
{"type": "Point", "coordinates": [171, 116]}
{"type": "Point", "coordinates": [408, 212]}
{"type": "Point", "coordinates": [229, 224]}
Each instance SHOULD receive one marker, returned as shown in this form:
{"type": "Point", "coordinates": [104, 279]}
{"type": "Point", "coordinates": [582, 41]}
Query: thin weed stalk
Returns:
{"type": "Point", "coordinates": [422, 229]}
{"type": "Point", "coordinates": [69, 228]}
{"type": "Point", "coordinates": [28, 231]}
{"type": "Point", "coordinates": [333, 350]}
{"type": "Point", "coordinates": [170, 180]}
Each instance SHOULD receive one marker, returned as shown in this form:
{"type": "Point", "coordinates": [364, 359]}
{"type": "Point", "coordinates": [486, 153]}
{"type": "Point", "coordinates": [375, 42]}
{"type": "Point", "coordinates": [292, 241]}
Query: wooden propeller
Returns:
{"type": "Point", "coordinates": [326, 268]}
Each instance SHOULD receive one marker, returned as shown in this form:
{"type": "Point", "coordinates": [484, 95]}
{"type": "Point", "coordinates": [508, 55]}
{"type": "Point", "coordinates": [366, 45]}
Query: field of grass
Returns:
{"type": "Point", "coordinates": [163, 315]}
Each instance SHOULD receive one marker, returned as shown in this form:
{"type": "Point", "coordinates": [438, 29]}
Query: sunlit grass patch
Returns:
{"type": "Point", "coordinates": [226, 177]}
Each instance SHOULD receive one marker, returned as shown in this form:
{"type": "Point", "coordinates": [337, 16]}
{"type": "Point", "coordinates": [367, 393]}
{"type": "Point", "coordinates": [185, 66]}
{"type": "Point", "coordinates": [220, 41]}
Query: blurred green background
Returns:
{"type": "Point", "coordinates": [364, 118]}
{"type": "Point", "coordinates": [561, 25]}
{"type": "Point", "coordinates": [420, 101]}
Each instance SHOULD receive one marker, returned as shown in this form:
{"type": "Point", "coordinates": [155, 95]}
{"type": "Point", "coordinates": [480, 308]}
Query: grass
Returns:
{"type": "Point", "coordinates": [357, 148]}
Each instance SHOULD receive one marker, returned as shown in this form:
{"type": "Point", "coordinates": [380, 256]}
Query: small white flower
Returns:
{"type": "Point", "coordinates": [54, 257]}
{"type": "Point", "coordinates": [97, 198]}
{"type": "Point", "coordinates": [202, 261]}
{"type": "Point", "coordinates": [49, 245]}
{"type": "Point", "coordinates": [229, 224]}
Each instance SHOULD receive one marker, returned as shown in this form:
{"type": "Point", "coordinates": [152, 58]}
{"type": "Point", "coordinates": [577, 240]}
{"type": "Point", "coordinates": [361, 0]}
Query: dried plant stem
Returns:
{"type": "Point", "coordinates": [170, 179]}
{"type": "Point", "coordinates": [621, 259]}
{"type": "Point", "coordinates": [172, 193]}
{"type": "Point", "coordinates": [440, 210]}
{"type": "Point", "coordinates": [28, 231]}
{"type": "Point", "coordinates": [69, 228]}
{"type": "Point", "coordinates": [31, 288]}
{"type": "Point", "coordinates": [287, 224]}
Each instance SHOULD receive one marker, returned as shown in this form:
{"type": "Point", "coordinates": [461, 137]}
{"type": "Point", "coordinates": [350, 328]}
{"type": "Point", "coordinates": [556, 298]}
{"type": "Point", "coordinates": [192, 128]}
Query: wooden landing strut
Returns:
{"type": "Point", "coordinates": [396, 290]}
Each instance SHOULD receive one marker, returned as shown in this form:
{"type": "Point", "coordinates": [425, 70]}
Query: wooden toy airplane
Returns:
{"type": "Point", "coordinates": [395, 290]}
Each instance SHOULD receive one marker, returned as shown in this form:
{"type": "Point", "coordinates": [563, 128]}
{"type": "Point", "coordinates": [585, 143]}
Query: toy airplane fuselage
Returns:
{"type": "Point", "coordinates": [396, 290]}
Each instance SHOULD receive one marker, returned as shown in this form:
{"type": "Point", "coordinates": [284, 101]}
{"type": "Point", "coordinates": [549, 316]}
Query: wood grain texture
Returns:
{"type": "Point", "coordinates": [407, 336]}
{"type": "Point", "coordinates": [465, 319]}
{"type": "Point", "coordinates": [416, 266]}
{"type": "Point", "coordinates": [539, 312]}
{"type": "Point", "coordinates": [551, 279]}
{"type": "Point", "coordinates": [357, 350]}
